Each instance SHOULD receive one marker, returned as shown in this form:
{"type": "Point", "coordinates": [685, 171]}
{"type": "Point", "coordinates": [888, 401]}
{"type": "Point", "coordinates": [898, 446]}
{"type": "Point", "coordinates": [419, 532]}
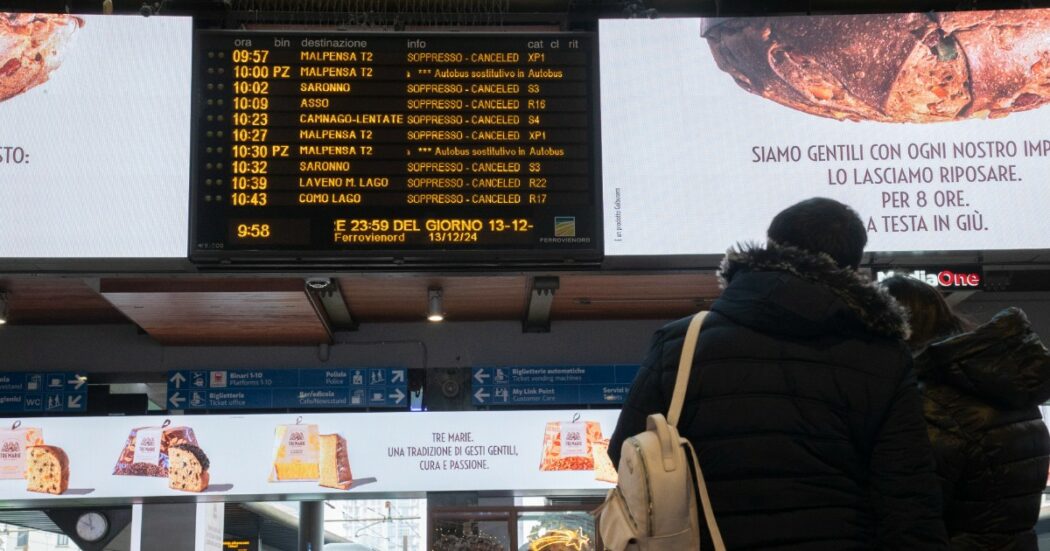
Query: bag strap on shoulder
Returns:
{"type": "Point", "coordinates": [705, 502]}
{"type": "Point", "coordinates": [685, 366]}
{"type": "Point", "coordinates": [681, 384]}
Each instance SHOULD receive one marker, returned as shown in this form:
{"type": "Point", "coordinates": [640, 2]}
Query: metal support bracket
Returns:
{"type": "Point", "coordinates": [328, 298]}
{"type": "Point", "coordinates": [541, 296]}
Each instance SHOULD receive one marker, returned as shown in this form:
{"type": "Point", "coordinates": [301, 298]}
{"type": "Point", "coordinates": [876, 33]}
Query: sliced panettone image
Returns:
{"type": "Point", "coordinates": [904, 68]}
{"type": "Point", "coordinates": [604, 469]}
{"type": "Point", "coordinates": [188, 469]}
{"type": "Point", "coordinates": [47, 470]}
{"type": "Point", "coordinates": [335, 463]}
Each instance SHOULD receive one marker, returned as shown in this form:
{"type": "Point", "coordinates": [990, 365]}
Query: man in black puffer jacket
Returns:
{"type": "Point", "coordinates": [982, 393]}
{"type": "Point", "coordinates": [802, 403]}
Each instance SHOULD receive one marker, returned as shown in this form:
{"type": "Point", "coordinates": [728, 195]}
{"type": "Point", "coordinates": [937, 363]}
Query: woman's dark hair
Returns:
{"type": "Point", "coordinates": [930, 316]}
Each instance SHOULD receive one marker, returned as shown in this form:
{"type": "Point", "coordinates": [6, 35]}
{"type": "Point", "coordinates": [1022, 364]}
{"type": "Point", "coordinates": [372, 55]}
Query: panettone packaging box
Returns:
{"type": "Point", "coordinates": [13, 453]}
{"type": "Point", "coordinates": [145, 452]}
{"type": "Point", "coordinates": [567, 445]}
{"type": "Point", "coordinates": [296, 452]}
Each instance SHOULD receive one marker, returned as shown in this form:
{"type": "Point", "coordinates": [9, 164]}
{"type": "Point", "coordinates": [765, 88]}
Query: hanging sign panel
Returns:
{"type": "Point", "coordinates": [346, 388]}
{"type": "Point", "coordinates": [62, 392]}
{"type": "Point", "coordinates": [562, 386]}
{"type": "Point", "coordinates": [123, 459]}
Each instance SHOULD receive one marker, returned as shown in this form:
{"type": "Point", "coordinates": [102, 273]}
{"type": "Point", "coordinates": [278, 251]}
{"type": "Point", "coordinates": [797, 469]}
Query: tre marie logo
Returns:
{"type": "Point", "coordinates": [149, 444]}
{"type": "Point", "coordinates": [10, 450]}
{"type": "Point", "coordinates": [943, 278]}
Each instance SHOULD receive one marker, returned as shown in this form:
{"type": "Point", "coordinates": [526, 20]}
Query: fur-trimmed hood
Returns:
{"type": "Point", "coordinates": [872, 305]}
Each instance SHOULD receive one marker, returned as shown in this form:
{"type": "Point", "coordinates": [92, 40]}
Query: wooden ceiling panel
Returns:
{"type": "Point", "coordinates": [212, 309]}
{"type": "Point", "coordinates": [465, 298]}
{"type": "Point", "coordinates": [219, 310]}
{"type": "Point", "coordinates": [44, 301]}
{"type": "Point", "coordinates": [664, 296]}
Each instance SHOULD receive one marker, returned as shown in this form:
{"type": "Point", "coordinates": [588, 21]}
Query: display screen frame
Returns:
{"type": "Point", "coordinates": [710, 258]}
{"type": "Point", "coordinates": [240, 449]}
{"type": "Point", "coordinates": [123, 261]}
{"type": "Point", "coordinates": [409, 257]}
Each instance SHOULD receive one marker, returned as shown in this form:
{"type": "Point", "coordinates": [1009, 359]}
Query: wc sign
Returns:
{"type": "Point", "coordinates": [956, 280]}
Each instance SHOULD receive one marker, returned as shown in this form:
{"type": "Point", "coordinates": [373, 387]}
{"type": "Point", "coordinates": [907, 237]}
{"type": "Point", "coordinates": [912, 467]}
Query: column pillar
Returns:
{"type": "Point", "coordinates": [177, 526]}
{"type": "Point", "coordinates": [311, 525]}
{"type": "Point", "coordinates": [168, 526]}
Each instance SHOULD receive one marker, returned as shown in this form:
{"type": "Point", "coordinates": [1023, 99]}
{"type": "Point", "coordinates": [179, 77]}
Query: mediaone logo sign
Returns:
{"type": "Point", "coordinates": [945, 279]}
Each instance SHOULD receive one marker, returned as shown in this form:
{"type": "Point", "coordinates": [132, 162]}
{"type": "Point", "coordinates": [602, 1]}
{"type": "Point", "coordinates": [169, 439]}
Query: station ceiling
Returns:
{"type": "Point", "coordinates": [498, 12]}
{"type": "Point", "coordinates": [240, 310]}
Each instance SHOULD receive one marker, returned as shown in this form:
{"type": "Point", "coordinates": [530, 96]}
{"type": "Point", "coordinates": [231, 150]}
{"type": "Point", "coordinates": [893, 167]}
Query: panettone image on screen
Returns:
{"type": "Point", "coordinates": [188, 468]}
{"type": "Point", "coordinates": [47, 470]}
{"type": "Point", "coordinates": [31, 47]}
{"type": "Point", "coordinates": [568, 445]}
{"type": "Point", "coordinates": [334, 469]}
{"type": "Point", "coordinates": [147, 451]}
{"type": "Point", "coordinates": [301, 453]}
{"type": "Point", "coordinates": [604, 470]}
{"type": "Point", "coordinates": [14, 449]}
{"type": "Point", "coordinates": [903, 68]}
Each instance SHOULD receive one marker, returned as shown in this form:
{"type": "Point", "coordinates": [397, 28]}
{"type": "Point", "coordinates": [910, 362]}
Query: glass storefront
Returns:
{"type": "Point", "coordinates": [532, 524]}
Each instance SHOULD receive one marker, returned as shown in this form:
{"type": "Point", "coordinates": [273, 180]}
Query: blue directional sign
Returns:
{"type": "Point", "coordinates": [552, 385]}
{"type": "Point", "coordinates": [59, 392]}
{"type": "Point", "coordinates": [375, 387]}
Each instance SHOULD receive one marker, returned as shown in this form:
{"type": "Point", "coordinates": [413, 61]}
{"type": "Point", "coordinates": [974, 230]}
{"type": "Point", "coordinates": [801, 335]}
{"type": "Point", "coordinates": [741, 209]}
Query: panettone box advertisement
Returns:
{"type": "Point", "coordinates": [302, 454]}
{"type": "Point", "coordinates": [932, 126]}
{"type": "Point", "coordinates": [14, 444]}
{"type": "Point", "coordinates": [146, 451]}
{"type": "Point", "coordinates": [577, 446]}
{"type": "Point", "coordinates": [234, 457]}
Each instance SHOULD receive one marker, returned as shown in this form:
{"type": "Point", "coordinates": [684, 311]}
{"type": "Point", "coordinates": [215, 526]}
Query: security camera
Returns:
{"type": "Point", "coordinates": [450, 388]}
{"type": "Point", "coordinates": [318, 283]}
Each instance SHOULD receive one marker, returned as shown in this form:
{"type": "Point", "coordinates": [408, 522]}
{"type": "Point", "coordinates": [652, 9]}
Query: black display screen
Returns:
{"type": "Point", "coordinates": [357, 146]}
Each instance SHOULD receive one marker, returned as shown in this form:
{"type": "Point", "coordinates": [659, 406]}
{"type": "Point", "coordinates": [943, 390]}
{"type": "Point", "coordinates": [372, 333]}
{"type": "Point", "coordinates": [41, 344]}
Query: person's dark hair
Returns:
{"type": "Point", "coordinates": [824, 226]}
{"type": "Point", "coordinates": [930, 316]}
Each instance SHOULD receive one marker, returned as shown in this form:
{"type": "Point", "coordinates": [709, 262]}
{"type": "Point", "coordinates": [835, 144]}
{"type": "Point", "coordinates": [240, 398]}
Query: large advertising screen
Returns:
{"type": "Point", "coordinates": [934, 127]}
{"type": "Point", "coordinates": [234, 457]}
{"type": "Point", "coordinates": [94, 136]}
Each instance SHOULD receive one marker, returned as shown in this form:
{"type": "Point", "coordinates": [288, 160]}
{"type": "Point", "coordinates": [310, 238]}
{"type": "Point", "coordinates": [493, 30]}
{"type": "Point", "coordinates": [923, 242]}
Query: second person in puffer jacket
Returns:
{"type": "Point", "coordinates": [981, 395]}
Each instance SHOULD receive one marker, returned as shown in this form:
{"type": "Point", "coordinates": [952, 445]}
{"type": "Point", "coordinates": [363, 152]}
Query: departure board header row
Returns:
{"type": "Point", "coordinates": [375, 147]}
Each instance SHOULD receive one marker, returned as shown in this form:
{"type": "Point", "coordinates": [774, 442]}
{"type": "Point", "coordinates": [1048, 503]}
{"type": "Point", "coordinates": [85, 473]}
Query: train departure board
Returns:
{"type": "Point", "coordinates": [395, 146]}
